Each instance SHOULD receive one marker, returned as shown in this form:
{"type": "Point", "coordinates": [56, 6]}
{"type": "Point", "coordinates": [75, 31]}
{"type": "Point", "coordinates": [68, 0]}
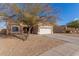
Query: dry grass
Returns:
{"type": "Point", "coordinates": [35, 45]}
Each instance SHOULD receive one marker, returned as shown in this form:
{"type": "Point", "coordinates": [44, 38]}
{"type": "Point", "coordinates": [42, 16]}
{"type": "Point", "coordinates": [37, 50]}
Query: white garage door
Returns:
{"type": "Point", "coordinates": [45, 30]}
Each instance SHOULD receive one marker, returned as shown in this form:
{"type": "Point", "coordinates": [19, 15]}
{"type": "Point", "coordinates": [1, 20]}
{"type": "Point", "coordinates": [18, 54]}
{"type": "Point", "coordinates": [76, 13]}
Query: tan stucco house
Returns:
{"type": "Point", "coordinates": [43, 27]}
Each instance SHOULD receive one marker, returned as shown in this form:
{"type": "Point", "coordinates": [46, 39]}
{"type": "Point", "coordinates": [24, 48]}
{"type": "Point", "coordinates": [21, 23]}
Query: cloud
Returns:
{"type": "Point", "coordinates": [76, 19]}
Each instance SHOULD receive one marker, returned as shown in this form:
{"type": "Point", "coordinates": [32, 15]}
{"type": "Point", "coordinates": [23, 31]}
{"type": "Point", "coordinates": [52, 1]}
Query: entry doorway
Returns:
{"type": "Point", "coordinates": [25, 29]}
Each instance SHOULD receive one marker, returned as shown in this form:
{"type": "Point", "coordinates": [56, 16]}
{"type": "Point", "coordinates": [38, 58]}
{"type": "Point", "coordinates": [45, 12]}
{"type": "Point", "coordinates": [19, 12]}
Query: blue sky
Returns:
{"type": "Point", "coordinates": [68, 11]}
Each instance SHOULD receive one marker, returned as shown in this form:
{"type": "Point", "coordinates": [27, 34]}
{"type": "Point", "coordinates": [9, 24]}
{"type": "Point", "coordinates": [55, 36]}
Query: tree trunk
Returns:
{"type": "Point", "coordinates": [28, 33]}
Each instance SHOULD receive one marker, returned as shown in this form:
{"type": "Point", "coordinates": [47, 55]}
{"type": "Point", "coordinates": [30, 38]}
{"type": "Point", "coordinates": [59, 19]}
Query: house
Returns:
{"type": "Point", "coordinates": [15, 28]}
{"type": "Point", "coordinates": [43, 27]}
{"type": "Point", "coordinates": [65, 29]}
{"type": "Point", "coordinates": [2, 24]}
{"type": "Point", "coordinates": [59, 29]}
{"type": "Point", "coordinates": [73, 30]}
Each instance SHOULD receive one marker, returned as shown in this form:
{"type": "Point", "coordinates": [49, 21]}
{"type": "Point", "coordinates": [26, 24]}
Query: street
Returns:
{"type": "Point", "coordinates": [70, 48]}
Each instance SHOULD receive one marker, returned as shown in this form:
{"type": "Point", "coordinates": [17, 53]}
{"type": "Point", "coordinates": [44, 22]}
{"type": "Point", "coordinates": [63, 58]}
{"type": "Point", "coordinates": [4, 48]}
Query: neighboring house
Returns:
{"type": "Point", "coordinates": [59, 29]}
{"type": "Point", "coordinates": [73, 30]}
{"type": "Point", "coordinates": [65, 29]}
{"type": "Point", "coordinates": [2, 24]}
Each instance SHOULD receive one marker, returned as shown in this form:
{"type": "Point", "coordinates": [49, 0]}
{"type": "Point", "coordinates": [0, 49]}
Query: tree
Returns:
{"type": "Point", "coordinates": [73, 24]}
{"type": "Point", "coordinates": [31, 14]}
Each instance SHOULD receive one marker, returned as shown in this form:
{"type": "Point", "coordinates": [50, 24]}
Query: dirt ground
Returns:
{"type": "Point", "coordinates": [35, 45]}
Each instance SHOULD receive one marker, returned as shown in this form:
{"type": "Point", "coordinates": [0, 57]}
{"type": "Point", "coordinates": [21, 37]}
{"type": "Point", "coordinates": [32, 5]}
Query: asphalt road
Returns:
{"type": "Point", "coordinates": [70, 39]}
{"type": "Point", "coordinates": [69, 48]}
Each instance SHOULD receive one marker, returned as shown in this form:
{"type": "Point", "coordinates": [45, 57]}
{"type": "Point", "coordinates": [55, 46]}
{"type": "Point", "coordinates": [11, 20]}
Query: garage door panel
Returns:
{"type": "Point", "coordinates": [45, 31]}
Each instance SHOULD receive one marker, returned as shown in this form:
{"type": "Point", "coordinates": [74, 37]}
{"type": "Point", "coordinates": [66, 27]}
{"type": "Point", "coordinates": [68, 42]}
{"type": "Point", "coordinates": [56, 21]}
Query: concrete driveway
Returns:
{"type": "Point", "coordinates": [70, 48]}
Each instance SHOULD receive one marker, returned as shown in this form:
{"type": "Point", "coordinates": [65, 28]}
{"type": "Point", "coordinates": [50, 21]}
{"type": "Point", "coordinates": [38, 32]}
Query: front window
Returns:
{"type": "Point", "coordinates": [15, 29]}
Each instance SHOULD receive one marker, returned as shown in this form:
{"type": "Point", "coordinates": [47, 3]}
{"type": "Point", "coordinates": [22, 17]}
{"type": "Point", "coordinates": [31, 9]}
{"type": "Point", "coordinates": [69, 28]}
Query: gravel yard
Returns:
{"type": "Point", "coordinates": [35, 45]}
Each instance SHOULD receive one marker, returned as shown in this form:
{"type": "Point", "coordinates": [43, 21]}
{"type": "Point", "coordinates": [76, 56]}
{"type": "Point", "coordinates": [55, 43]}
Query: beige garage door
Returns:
{"type": "Point", "coordinates": [45, 30]}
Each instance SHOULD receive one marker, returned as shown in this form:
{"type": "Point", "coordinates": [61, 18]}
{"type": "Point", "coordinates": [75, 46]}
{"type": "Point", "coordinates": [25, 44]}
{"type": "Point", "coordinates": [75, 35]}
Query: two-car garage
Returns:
{"type": "Point", "coordinates": [45, 30]}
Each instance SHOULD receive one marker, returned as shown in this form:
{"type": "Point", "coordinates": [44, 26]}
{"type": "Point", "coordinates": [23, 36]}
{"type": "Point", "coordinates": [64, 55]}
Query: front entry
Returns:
{"type": "Point", "coordinates": [25, 30]}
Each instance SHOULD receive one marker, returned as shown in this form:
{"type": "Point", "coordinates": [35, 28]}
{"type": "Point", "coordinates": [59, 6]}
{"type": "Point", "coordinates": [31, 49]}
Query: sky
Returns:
{"type": "Point", "coordinates": [66, 11]}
